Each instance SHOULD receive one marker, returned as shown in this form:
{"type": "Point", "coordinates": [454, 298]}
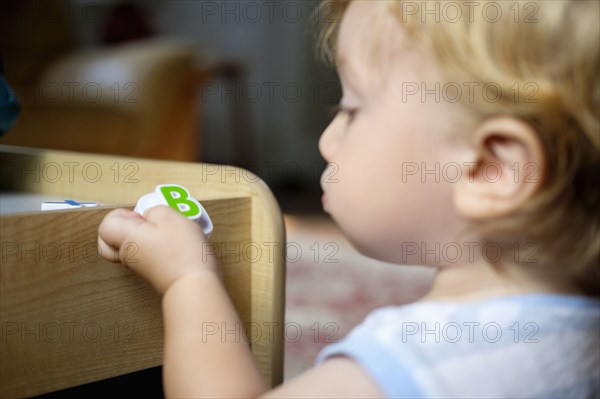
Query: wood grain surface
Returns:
{"type": "Point", "coordinates": [69, 317]}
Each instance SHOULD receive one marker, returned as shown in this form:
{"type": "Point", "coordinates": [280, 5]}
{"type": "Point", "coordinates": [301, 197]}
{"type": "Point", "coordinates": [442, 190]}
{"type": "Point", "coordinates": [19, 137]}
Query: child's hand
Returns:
{"type": "Point", "coordinates": [162, 247]}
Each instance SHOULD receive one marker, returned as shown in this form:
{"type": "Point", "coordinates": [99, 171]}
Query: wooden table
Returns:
{"type": "Point", "coordinates": [69, 317]}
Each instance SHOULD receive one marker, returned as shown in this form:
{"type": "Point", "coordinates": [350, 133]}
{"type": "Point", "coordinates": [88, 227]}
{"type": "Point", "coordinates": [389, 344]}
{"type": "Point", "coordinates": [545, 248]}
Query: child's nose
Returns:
{"type": "Point", "coordinates": [327, 142]}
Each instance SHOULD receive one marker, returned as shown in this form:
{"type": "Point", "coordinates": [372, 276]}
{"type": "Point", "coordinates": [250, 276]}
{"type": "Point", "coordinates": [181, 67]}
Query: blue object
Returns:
{"type": "Point", "coordinates": [9, 106]}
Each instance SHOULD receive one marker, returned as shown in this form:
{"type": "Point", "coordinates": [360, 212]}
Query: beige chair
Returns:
{"type": "Point", "coordinates": [69, 317]}
{"type": "Point", "coordinates": [135, 99]}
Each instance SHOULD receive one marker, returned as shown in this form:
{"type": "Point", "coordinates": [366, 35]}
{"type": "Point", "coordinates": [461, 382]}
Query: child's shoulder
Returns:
{"type": "Point", "coordinates": [535, 341]}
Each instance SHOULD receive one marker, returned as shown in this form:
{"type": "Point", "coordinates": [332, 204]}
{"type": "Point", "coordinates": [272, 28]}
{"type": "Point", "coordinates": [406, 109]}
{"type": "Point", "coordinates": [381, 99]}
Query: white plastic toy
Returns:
{"type": "Point", "coordinates": [66, 204]}
{"type": "Point", "coordinates": [180, 199]}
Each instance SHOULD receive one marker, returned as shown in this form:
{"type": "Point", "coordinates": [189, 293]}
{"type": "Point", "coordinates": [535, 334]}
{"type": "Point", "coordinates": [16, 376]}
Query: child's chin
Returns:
{"type": "Point", "coordinates": [369, 250]}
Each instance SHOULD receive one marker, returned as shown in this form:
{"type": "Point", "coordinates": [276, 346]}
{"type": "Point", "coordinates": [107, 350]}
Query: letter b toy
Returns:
{"type": "Point", "coordinates": [178, 198]}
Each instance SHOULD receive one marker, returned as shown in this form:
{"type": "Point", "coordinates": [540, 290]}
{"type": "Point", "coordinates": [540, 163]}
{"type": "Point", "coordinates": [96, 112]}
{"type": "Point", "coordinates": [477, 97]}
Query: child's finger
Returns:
{"type": "Point", "coordinates": [161, 214]}
{"type": "Point", "coordinates": [116, 225]}
{"type": "Point", "coordinates": [107, 252]}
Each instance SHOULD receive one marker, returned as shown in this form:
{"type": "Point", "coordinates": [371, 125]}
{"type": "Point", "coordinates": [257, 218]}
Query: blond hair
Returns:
{"type": "Point", "coordinates": [552, 48]}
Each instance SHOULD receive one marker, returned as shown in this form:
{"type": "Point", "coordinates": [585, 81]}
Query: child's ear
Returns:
{"type": "Point", "coordinates": [502, 169]}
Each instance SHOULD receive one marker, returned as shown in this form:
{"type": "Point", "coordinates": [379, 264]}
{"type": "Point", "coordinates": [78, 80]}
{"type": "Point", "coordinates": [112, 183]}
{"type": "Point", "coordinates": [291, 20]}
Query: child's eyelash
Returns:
{"type": "Point", "coordinates": [341, 109]}
{"type": "Point", "coordinates": [334, 110]}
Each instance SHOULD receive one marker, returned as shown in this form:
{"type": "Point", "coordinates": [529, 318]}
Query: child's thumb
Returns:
{"type": "Point", "coordinates": [116, 225]}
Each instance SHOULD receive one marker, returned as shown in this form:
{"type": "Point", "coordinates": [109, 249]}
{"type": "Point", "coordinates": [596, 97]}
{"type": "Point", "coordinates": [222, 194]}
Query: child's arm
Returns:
{"type": "Point", "coordinates": [198, 363]}
{"type": "Point", "coordinates": [166, 249]}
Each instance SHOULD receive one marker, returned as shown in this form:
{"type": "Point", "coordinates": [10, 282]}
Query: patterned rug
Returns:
{"type": "Point", "coordinates": [331, 288]}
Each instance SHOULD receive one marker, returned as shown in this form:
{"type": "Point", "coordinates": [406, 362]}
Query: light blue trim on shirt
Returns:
{"type": "Point", "coordinates": [375, 360]}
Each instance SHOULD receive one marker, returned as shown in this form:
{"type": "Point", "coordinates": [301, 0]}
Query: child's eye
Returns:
{"type": "Point", "coordinates": [350, 112]}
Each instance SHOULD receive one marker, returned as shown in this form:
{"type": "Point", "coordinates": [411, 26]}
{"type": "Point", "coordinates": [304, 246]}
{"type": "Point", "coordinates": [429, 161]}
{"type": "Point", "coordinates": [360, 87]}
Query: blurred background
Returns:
{"type": "Point", "coordinates": [226, 82]}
